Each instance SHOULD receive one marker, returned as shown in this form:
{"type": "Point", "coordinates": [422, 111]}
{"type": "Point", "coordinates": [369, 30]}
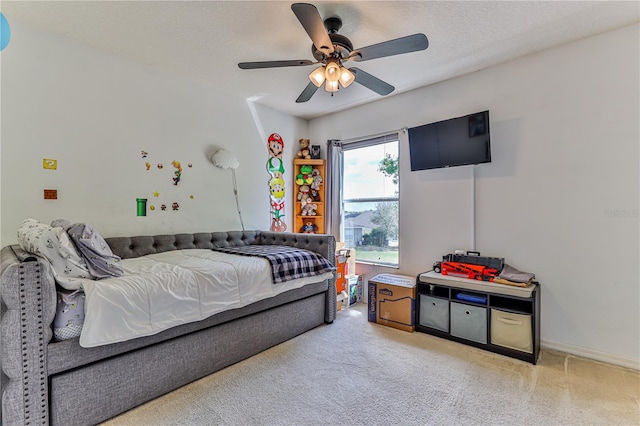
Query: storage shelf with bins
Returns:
{"type": "Point", "coordinates": [495, 317]}
{"type": "Point", "coordinates": [319, 218]}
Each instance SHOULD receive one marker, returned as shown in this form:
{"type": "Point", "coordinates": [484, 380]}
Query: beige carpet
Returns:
{"type": "Point", "coordinates": [353, 372]}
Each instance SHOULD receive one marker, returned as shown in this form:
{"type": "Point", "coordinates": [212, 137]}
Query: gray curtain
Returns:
{"type": "Point", "coordinates": [333, 187]}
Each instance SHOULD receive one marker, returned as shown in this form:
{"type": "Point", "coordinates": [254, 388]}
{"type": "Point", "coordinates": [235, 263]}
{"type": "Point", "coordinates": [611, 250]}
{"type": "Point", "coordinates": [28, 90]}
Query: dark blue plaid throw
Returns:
{"type": "Point", "coordinates": [287, 263]}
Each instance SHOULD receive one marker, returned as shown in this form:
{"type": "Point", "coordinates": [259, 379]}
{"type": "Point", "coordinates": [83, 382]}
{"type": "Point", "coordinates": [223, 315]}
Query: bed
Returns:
{"type": "Point", "coordinates": [91, 378]}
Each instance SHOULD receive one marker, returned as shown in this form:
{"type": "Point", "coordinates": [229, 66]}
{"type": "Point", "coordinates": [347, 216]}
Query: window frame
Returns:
{"type": "Point", "coordinates": [360, 144]}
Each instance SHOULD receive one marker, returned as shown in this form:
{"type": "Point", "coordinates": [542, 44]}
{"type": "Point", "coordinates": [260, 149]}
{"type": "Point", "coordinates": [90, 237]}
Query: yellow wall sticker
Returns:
{"type": "Point", "coordinates": [49, 163]}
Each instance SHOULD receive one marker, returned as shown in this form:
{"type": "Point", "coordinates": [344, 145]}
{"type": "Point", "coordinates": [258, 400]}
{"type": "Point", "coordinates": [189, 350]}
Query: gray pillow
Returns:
{"type": "Point", "coordinates": [69, 318]}
{"type": "Point", "coordinates": [100, 260]}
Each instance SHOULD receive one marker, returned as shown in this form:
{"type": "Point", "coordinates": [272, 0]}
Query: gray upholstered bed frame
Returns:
{"type": "Point", "coordinates": [46, 382]}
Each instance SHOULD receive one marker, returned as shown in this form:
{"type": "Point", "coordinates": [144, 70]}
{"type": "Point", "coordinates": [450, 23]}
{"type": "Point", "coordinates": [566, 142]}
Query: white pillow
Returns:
{"type": "Point", "coordinates": [54, 245]}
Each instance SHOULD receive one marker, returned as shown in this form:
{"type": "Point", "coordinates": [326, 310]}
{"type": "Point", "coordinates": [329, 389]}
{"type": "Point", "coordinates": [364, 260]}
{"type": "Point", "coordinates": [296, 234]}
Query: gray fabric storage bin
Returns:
{"type": "Point", "coordinates": [434, 312]}
{"type": "Point", "coordinates": [469, 322]}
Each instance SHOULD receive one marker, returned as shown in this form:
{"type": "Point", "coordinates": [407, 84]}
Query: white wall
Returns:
{"type": "Point", "coordinates": [94, 113]}
{"type": "Point", "coordinates": [565, 136]}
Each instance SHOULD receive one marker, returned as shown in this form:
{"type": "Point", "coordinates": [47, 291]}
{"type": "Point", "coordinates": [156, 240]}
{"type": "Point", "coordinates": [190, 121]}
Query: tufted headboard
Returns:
{"type": "Point", "coordinates": [129, 247]}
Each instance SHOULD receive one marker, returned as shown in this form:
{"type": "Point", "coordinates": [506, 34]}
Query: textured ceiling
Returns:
{"type": "Point", "coordinates": [205, 40]}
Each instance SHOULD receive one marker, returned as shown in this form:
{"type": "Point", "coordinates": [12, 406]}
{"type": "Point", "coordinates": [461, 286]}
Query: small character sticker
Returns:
{"type": "Point", "coordinates": [177, 173]}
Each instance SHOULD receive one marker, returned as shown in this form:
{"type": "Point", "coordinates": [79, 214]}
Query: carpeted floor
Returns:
{"type": "Point", "coordinates": [353, 372]}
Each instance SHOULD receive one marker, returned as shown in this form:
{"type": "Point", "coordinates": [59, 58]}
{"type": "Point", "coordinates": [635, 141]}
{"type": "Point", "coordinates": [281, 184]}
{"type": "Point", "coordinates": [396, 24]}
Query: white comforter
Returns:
{"type": "Point", "coordinates": [164, 290]}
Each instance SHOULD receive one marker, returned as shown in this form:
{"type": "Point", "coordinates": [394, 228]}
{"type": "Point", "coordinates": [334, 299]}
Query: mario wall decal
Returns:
{"type": "Point", "coordinates": [275, 167]}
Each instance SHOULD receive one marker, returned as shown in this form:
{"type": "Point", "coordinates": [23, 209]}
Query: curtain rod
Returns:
{"type": "Point", "coordinates": [377, 135]}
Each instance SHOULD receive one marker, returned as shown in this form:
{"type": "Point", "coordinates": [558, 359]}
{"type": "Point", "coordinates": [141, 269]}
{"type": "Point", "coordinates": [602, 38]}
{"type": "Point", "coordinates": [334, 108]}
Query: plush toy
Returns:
{"type": "Point", "coordinates": [303, 152]}
{"type": "Point", "coordinates": [309, 228]}
{"type": "Point", "coordinates": [304, 177]}
{"type": "Point", "coordinates": [306, 199]}
{"type": "Point", "coordinates": [314, 194]}
{"type": "Point", "coordinates": [303, 192]}
{"type": "Point", "coordinates": [309, 209]}
{"type": "Point", "coordinates": [315, 152]}
{"type": "Point", "coordinates": [316, 179]}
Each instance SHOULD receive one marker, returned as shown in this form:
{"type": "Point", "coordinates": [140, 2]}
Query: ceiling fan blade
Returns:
{"type": "Point", "coordinates": [371, 82]}
{"type": "Point", "coordinates": [275, 64]}
{"type": "Point", "coordinates": [307, 93]}
{"type": "Point", "coordinates": [310, 19]}
{"type": "Point", "coordinates": [398, 46]}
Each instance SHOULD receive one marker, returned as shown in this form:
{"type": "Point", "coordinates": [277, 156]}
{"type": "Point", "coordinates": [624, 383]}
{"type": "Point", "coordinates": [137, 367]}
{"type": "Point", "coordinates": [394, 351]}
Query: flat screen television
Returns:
{"type": "Point", "coordinates": [455, 142]}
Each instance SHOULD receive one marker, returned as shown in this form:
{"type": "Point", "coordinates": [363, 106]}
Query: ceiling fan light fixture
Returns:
{"type": "Point", "coordinates": [346, 77]}
{"type": "Point", "coordinates": [317, 76]}
{"type": "Point", "coordinates": [331, 86]}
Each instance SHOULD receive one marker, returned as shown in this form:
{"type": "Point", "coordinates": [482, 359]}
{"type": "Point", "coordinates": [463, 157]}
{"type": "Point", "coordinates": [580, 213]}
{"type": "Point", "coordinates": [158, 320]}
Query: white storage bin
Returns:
{"type": "Point", "coordinates": [469, 322]}
{"type": "Point", "coordinates": [434, 312]}
{"type": "Point", "coordinates": [511, 330]}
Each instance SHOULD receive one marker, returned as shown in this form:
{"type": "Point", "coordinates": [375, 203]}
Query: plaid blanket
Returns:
{"type": "Point", "coordinates": [287, 263]}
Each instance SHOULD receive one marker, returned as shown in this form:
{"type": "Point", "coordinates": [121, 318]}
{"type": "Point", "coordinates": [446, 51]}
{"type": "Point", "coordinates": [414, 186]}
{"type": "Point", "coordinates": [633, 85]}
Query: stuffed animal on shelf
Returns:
{"type": "Point", "coordinates": [316, 179]}
{"type": "Point", "coordinates": [303, 192]}
{"type": "Point", "coordinates": [304, 177]}
{"type": "Point", "coordinates": [306, 199]}
{"type": "Point", "coordinates": [309, 209]}
{"type": "Point", "coordinates": [314, 194]}
{"type": "Point", "coordinates": [315, 152]}
{"type": "Point", "coordinates": [309, 228]}
{"type": "Point", "coordinates": [304, 152]}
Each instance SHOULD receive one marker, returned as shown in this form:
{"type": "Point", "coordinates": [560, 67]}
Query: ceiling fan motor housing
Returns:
{"type": "Point", "coordinates": [341, 44]}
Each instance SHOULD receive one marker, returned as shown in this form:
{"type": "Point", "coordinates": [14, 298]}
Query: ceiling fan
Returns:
{"type": "Point", "coordinates": [331, 49]}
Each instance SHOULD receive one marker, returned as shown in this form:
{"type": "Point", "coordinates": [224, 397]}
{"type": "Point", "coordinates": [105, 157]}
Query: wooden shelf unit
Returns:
{"type": "Point", "coordinates": [319, 218]}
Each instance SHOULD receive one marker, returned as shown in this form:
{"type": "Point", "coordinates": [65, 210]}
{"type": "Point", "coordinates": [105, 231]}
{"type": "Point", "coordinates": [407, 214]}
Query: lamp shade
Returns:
{"type": "Point", "coordinates": [225, 159]}
{"type": "Point", "coordinates": [317, 76]}
{"type": "Point", "coordinates": [331, 86]}
{"type": "Point", "coordinates": [346, 77]}
{"type": "Point", "coordinates": [333, 71]}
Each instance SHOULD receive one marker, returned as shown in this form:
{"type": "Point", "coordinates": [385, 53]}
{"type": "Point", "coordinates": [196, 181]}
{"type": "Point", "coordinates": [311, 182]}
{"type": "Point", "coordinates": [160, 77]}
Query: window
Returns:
{"type": "Point", "coordinates": [370, 199]}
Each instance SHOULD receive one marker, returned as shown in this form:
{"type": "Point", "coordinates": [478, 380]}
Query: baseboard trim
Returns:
{"type": "Point", "coordinates": [591, 354]}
